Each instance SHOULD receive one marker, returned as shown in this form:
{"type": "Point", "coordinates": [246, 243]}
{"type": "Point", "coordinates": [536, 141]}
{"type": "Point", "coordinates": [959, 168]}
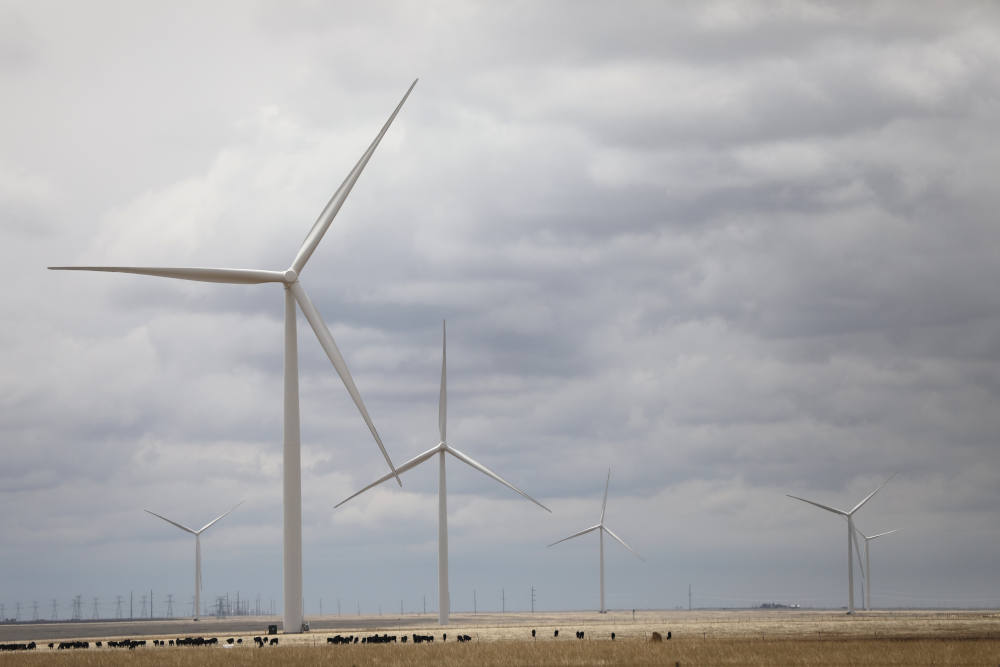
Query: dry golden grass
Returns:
{"type": "Point", "coordinates": [553, 654]}
{"type": "Point", "coordinates": [699, 638]}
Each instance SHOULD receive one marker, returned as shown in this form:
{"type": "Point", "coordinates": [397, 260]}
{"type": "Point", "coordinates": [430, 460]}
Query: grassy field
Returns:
{"type": "Point", "coordinates": [699, 638]}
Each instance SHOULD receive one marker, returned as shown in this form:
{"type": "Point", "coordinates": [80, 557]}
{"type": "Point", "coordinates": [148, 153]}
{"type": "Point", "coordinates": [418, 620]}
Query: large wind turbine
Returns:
{"type": "Point", "coordinates": [444, 600]}
{"type": "Point", "coordinates": [601, 529]}
{"type": "Point", "coordinates": [294, 292]}
{"type": "Point", "coordinates": [868, 568]}
{"type": "Point", "coordinates": [850, 537]}
{"type": "Point", "coordinates": [197, 551]}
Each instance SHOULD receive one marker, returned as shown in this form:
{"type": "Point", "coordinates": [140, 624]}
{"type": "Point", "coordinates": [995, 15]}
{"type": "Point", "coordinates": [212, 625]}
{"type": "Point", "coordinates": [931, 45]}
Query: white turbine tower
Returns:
{"type": "Point", "coordinates": [294, 292]}
{"type": "Point", "coordinates": [197, 551]}
{"type": "Point", "coordinates": [601, 528]}
{"type": "Point", "coordinates": [851, 546]}
{"type": "Point", "coordinates": [442, 448]}
{"type": "Point", "coordinates": [867, 572]}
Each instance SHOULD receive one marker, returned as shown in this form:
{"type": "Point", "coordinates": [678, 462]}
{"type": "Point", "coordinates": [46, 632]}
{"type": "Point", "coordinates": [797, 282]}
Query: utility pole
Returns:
{"type": "Point", "coordinates": [425, 603]}
{"type": "Point", "coordinates": [118, 606]}
{"type": "Point", "coordinates": [131, 608]}
{"type": "Point", "coordinates": [532, 598]}
{"type": "Point", "coordinates": [474, 610]}
{"type": "Point", "coordinates": [503, 602]}
{"type": "Point", "coordinates": [150, 603]}
{"type": "Point", "coordinates": [321, 606]}
{"type": "Point", "coordinates": [689, 597]}
{"type": "Point", "coordinates": [338, 606]}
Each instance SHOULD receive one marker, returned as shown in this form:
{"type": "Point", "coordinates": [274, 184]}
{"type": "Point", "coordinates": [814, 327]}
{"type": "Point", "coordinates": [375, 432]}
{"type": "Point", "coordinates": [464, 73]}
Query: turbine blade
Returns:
{"type": "Point", "coordinates": [179, 525]}
{"type": "Point", "coordinates": [871, 495]}
{"type": "Point", "coordinates": [857, 550]}
{"type": "Point", "coordinates": [604, 505]}
{"type": "Point", "coordinates": [221, 516]}
{"type": "Point", "coordinates": [888, 532]}
{"type": "Point", "coordinates": [582, 532]}
{"type": "Point", "coordinates": [489, 473]}
{"type": "Point", "coordinates": [322, 223]}
{"type": "Point", "coordinates": [412, 463]}
{"type": "Point", "coordinates": [443, 399]}
{"type": "Point", "coordinates": [862, 535]}
{"type": "Point", "coordinates": [232, 276]}
{"type": "Point", "coordinates": [330, 347]}
{"type": "Point", "coordinates": [828, 509]}
{"type": "Point", "coordinates": [608, 531]}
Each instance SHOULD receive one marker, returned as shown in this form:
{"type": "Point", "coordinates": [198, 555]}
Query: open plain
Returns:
{"type": "Point", "coordinates": [745, 637]}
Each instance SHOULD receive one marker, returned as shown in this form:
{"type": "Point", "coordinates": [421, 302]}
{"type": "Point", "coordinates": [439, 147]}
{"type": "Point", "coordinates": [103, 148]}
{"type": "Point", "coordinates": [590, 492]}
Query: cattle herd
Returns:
{"type": "Point", "coordinates": [262, 641]}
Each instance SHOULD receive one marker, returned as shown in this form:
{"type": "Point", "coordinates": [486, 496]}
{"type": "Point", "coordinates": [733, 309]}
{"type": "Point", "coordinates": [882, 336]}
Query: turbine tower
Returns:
{"type": "Point", "coordinates": [867, 572]}
{"type": "Point", "coordinates": [294, 293]}
{"type": "Point", "coordinates": [601, 528]}
{"type": "Point", "coordinates": [851, 546]}
{"type": "Point", "coordinates": [197, 552]}
{"type": "Point", "coordinates": [442, 448]}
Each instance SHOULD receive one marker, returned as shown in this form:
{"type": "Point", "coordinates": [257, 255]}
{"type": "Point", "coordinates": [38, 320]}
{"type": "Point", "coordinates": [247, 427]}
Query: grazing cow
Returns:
{"type": "Point", "coordinates": [532, 633]}
{"type": "Point", "coordinates": [444, 637]}
{"type": "Point", "coordinates": [464, 638]}
{"type": "Point", "coordinates": [612, 636]}
{"type": "Point", "coordinates": [555, 634]}
{"type": "Point", "coordinates": [240, 640]}
{"type": "Point", "coordinates": [669, 634]}
{"type": "Point", "coordinates": [274, 641]}
{"type": "Point", "coordinates": [171, 642]}
{"type": "Point", "coordinates": [579, 634]}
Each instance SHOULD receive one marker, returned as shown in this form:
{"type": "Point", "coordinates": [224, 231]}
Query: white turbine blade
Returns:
{"type": "Point", "coordinates": [888, 532]}
{"type": "Point", "coordinates": [857, 550]}
{"type": "Point", "coordinates": [582, 532]}
{"type": "Point", "coordinates": [443, 399]}
{"type": "Point", "coordinates": [828, 509]}
{"type": "Point", "coordinates": [330, 347]}
{"type": "Point", "coordinates": [179, 525]}
{"type": "Point", "coordinates": [232, 276]}
{"type": "Point", "coordinates": [322, 223]}
{"type": "Point", "coordinates": [604, 505]}
{"type": "Point", "coordinates": [871, 495]}
{"type": "Point", "coordinates": [412, 463]}
{"type": "Point", "coordinates": [486, 471]}
{"type": "Point", "coordinates": [608, 531]}
{"type": "Point", "coordinates": [221, 516]}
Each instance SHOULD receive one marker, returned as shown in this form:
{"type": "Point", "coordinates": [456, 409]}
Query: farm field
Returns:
{"type": "Point", "coordinates": [747, 637]}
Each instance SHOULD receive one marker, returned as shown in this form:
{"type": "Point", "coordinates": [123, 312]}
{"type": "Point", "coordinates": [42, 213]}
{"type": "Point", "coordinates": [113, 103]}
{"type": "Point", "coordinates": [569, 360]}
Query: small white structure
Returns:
{"type": "Point", "coordinates": [294, 292]}
{"type": "Point", "coordinates": [442, 448]}
{"type": "Point", "coordinates": [601, 528]}
{"type": "Point", "coordinates": [851, 546]}
{"type": "Point", "coordinates": [197, 551]}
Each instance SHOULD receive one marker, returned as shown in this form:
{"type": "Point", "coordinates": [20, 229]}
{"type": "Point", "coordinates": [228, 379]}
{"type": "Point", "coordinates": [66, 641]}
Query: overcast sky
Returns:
{"type": "Point", "coordinates": [732, 250]}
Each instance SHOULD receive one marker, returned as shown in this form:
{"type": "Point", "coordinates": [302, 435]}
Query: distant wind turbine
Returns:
{"type": "Point", "coordinates": [867, 572]}
{"type": "Point", "coordinates": [197, 550]}
{"type": "Point", "coordinates": [444, 600]}
{"type": "Point", "coordinates": [294, 292]}
{"type": "Point", "coordinates": [851, 546]}
{"type": "Point", "coordinates": [601, 528]}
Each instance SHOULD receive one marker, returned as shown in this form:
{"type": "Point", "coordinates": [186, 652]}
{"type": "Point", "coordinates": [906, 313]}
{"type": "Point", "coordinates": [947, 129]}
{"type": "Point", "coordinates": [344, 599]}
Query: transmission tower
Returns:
{"type": "Point", "coordinates": [95, 614]}
{"type": "Point", "coordinates": [170, 606]}
{"type": "Point", "coordinates": [142, 604]}
{"type": "Point", "coordinates": [77, 608]}
{"type": "Point", "coordinates": [34, 610]}
{"type": "Point", "coordinates": [118, 606]}
{"type": "Point", "coordinates": [3, 613]}
{"type": "Point", "coordinates": [55, 608]}
{"type": "Point", "coordinates": [17, 612]}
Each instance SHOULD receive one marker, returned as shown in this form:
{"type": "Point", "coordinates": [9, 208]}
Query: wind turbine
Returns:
{"type": "Point", "coordinates": [850, 537]}
{"type": "Point", "coordinates": [294, 292]}
{"type": "Point", "coordinates": [197, 550]}
{"type": "Point", "coordinates": [442, 448]}
{"type": "Point", "coordinates": [867, 572]}
{"type": "Point", "coordinates": [601, 528]}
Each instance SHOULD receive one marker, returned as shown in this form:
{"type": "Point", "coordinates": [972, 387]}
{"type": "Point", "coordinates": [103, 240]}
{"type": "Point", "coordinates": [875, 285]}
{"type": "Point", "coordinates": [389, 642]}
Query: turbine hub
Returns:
{"type": "Point", "coordinates": [291, 276]}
